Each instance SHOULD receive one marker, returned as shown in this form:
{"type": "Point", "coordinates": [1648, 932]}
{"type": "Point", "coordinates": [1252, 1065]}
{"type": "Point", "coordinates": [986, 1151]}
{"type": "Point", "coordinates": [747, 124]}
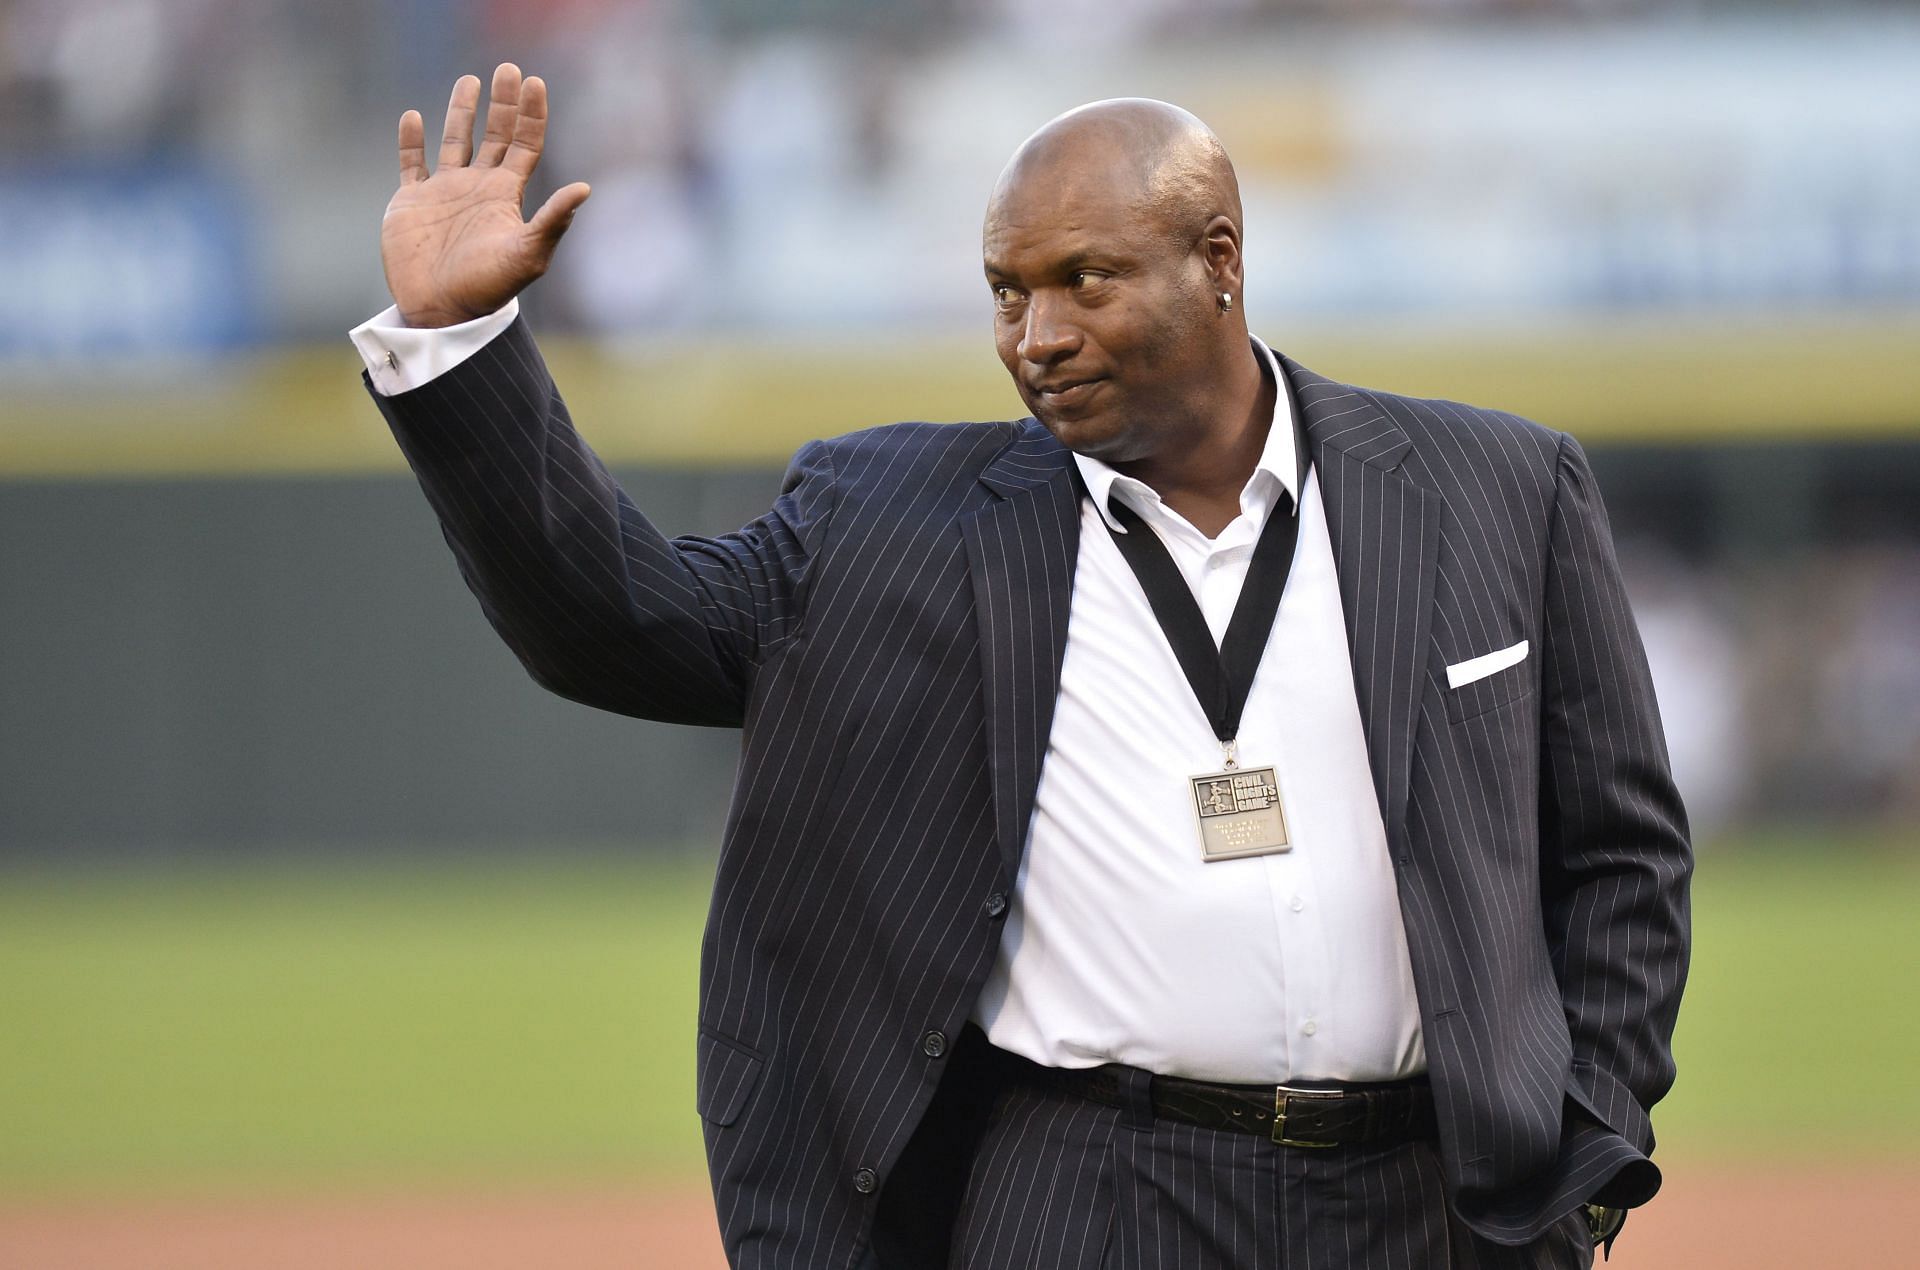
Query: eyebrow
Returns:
{"type": "Point", "coordinates": [1071, 263]}
{"type": "Point", "coordinates": [1081, 259]}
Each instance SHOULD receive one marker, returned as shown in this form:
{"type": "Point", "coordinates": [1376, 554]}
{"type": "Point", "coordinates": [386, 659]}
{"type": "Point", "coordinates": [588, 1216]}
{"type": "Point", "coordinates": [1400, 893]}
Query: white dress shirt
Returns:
{"type": "Point", "coordinates": [1121, 943]}
{"type": "Point", "coordinates": [400, 358]}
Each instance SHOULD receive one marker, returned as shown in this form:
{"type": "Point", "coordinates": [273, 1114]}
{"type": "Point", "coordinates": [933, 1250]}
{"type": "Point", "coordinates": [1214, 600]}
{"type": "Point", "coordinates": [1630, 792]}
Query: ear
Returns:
{"type": "Point", "coordinates": [1220, 253]}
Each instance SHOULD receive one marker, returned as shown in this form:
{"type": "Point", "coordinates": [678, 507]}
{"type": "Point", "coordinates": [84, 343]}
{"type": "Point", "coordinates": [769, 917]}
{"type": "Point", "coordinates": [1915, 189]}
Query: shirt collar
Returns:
{"type": "Point", "coordinates": [1278, 457]}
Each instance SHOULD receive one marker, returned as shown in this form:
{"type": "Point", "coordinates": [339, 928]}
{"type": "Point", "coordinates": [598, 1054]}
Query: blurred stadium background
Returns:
{"type": "Point", "coordinates": [312, 907]}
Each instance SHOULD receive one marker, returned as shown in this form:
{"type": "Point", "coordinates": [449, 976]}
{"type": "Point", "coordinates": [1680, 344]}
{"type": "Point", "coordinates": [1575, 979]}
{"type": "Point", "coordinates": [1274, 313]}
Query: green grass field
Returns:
{"type": "Point", "coordinates": [531, 1020]}
{"type": "Point", "coordinates": [292, 1024]}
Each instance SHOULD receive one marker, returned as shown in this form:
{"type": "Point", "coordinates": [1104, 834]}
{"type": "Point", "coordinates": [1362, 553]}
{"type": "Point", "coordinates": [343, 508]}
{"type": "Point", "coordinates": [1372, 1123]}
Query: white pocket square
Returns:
{"type": "Point", "coordinates": [1462, 673]}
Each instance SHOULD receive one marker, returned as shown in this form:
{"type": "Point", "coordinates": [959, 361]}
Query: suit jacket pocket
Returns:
{"type": "Point", "coordinates": [1489, 680]}
{"type": "Point", "coordinates": [726, 1073]}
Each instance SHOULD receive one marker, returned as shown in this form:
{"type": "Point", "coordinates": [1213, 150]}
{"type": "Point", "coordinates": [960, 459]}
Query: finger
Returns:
{"type": "Point", "coordinates": [556, 214]}
{"type": "Point", "coordinates": [456, 142]}
{"type": "Point", "coordinates": [503, 106]}
{"type": "Point", "coordinates": [529, 129]}
{"type": "Point", "coordinates": [413, 148]}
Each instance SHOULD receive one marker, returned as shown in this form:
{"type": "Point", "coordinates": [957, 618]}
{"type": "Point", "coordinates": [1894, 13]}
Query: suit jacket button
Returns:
{"type": "Point", "coordinates": [866, 1181]}
{"type": "Point", "coordinates": [996, 904]}
{"type": "Point", "coordinates": [933, 1044]}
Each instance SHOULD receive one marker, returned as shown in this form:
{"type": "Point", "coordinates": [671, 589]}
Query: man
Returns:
{"type": "Point", "coordinates": [1221, 820]}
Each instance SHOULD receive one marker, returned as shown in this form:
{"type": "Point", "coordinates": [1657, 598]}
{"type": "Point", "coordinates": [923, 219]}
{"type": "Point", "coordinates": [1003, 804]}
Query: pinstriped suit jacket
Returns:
{"type": "Point", "coordinates": [889, 637]}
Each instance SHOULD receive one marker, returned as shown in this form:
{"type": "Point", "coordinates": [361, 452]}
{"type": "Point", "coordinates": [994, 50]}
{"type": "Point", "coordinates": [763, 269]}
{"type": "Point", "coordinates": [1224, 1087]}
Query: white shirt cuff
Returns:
{"type": "Point", "coordinates": [401, 358]}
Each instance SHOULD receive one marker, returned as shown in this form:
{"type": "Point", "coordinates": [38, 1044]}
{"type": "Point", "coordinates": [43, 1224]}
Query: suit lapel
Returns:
{"type": "Point", "coordinates": [1022, 549]}
{"type": "Point", "coordinates": [1385, 530]}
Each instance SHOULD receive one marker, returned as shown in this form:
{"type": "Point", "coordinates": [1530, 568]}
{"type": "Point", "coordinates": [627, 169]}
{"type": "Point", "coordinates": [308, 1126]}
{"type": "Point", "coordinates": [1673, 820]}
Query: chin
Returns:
{"type": "Point", "coordinates": [1096, 438]}
{"type": "Point", "coordinates": [1072, 433]}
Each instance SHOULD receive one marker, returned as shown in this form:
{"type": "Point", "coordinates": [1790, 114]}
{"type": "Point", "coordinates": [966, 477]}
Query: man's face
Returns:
{"type": "Point", "coordinates": [1099, 314]}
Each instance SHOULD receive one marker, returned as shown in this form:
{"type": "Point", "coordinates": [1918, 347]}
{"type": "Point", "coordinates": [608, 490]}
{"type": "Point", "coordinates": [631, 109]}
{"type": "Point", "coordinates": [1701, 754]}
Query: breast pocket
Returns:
{"type": "Point", "coordinates": [1489, 680]}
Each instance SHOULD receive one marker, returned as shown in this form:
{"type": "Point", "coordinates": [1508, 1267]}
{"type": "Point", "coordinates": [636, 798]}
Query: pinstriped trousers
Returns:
{"type": "Point", "coordinates": [1060, 1183]}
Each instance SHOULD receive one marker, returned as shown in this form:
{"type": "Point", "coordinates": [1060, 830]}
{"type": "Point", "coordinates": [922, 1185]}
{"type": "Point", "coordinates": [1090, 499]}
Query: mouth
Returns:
{"type": "Point", "coordinates": [1068, 393]}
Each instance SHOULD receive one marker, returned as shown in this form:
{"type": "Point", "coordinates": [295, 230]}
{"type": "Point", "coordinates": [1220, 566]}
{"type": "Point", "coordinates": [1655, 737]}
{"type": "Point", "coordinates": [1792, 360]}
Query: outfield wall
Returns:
{"type": "Point", "coordinates": [287, 662]}
{"type": "Point", "coordinates": [291, 662]}
{"type": "Point", "coordinates": [227, 618]}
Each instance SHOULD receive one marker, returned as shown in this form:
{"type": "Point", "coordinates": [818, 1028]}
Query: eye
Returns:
{"type": "Point", "coordinates": [1082, 279]}
{"type": "Point", "coordinates": [1005, 296]}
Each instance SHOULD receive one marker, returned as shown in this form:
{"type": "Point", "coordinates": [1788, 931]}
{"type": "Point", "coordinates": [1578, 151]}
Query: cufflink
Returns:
{"type": "Point", "coordinates": [393, 360]}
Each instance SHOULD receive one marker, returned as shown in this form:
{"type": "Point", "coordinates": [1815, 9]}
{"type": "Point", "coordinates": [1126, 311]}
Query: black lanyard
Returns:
{"type": "Point", "coordinates": [1221, 677]}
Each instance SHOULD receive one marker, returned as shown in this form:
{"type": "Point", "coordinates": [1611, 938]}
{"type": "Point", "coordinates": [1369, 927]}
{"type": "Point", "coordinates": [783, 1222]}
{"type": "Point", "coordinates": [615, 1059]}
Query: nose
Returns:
{"type": "Point", "coordinates": [1047, 337]}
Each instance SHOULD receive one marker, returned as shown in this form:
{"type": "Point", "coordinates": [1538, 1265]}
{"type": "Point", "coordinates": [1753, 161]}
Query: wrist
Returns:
{"type": "Point", "coordinates": [432, 319]}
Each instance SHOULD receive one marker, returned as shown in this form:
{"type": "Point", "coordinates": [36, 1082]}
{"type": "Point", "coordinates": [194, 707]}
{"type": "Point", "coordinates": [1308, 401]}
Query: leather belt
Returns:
{"type": "Point", "coordinates": [1350, 1115]}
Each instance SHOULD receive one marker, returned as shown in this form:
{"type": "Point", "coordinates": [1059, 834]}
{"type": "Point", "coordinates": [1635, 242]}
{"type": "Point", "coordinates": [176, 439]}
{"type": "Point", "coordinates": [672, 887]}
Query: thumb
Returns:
{"type": "Point", "coordinates": [556, 213]}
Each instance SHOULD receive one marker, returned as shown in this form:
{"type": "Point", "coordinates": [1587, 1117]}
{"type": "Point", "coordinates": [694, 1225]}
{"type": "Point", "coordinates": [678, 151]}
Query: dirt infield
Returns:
{"type": "Point", "coordinates": [1824, 1219]}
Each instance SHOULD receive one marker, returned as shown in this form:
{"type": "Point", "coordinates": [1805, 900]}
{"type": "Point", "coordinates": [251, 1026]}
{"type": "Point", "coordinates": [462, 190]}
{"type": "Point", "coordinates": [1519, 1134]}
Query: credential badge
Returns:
{"type": "Point", "coordinates": [1239, 813]}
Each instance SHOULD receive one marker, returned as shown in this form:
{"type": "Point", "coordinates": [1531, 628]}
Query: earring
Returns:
{"type": "Point", "coordinates": [1226, 301]}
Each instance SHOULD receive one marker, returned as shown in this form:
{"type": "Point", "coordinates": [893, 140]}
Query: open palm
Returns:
{"type": "Point", "coordinates": [453, 243]}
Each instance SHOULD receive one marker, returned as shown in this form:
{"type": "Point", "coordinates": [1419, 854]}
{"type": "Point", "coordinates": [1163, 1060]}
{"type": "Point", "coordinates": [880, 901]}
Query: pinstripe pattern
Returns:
{"type": "Point", "coordinates": [1541, 847]}
{"type": "Point", "coordinates": [1063, 1184]}
{"type": "Point", "coordinates": [889, 637]}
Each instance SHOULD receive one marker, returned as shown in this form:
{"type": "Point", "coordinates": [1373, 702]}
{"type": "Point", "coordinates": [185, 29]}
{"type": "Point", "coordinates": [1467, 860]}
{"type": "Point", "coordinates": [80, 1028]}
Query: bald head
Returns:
{"type": "Point", "coordinates": [1112, 250]}
{"type": "Point", "coordinates": [1150, 156]}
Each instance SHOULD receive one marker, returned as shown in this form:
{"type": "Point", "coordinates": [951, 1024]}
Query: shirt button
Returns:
{"type": "Point", "coordinates": [1309, 1027]}
{"type": "Point", "coordinates": [996, 904]}
{"type": "Point", "coordinates": [866, 1181]}
{"type": "Point", "coordinates": [933, 1044]}
{"type": "Point", "coordinates": [1297, 904]}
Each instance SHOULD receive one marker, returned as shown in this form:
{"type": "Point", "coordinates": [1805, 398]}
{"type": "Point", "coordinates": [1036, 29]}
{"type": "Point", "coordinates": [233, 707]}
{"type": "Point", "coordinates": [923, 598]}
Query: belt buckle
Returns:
{"type": "Point", "coordinates": [1280, 1096]}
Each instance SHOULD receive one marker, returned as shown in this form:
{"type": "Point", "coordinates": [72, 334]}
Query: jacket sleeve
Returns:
{"type": "Point", "coordinates": [595, 602]}
{"type": "Point", "coordinates": [1616, 855]}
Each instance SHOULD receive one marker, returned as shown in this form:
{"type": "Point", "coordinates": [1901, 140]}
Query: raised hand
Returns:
{"type": "Point", "coordinates": [453, 243]}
